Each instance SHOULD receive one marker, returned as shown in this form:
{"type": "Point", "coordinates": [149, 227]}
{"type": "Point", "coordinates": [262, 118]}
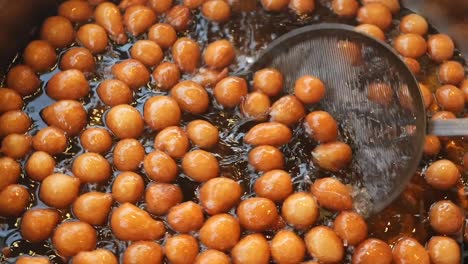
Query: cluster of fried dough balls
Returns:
{"type": "Point", "coordinates": [117, 180]}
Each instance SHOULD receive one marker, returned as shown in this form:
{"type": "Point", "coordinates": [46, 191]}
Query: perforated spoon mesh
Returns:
{"type": "Point", "coordinates": [385, 123]}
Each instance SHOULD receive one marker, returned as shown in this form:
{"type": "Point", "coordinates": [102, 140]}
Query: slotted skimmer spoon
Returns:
{"type": "Point", "coordinates": [386, 122]}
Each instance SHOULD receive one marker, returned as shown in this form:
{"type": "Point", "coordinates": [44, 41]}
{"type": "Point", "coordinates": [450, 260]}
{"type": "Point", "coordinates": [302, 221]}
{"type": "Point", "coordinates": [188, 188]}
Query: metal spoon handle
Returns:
{"type": "Point", "coordinates": [449, 127]}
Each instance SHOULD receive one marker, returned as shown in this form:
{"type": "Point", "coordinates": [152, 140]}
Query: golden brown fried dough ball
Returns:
{"type": "Point", "coordinates": [23, 79]}
{"type": "Point", "coordinates": [443, 115]}
{"type": "Point", "coordinates": [185, 217]}
{"type": "Point", "coordinates": [265, 158]}
{"type": "Point", "coordinates": [93, 207]}
{"type": "Point", "coordinates": [230, 91]}
{"type": "Point", "coordinates": [410, 45]}
{"type": "Point", "coordinates": [219, 195]}
{"type": "Point", "coordinates": [220, 232]}
{"type": "Point", "coordinates": [97, 2]}
{"type": "Point", "coordinates": [255, 105]}
{"type": "Point", "coordinates": [68, 84]}
{"type": "Point", "coordinates": [345, 8]}
{"type": "Point", "coordinates": [51, 140]}
{"type": "Point", "coordinates": [371, 30]}
{"type": "Point", "coordinates": [10, 171]}
{"type": "Point", "coordinates": [350, 227]}
{"type": "Point", "coordinates": [147, 52]}
{"type": "Point", "coordinates": [128, 187]}
{"type": "Point", "coordinates": [251, 249]}
{"type": "Point", "coordinates": [208, 77]}
{"type": "Point", "coordinates": [216, 10]}
{"type": "Point", "coordinates": [93, 37]}
{"type": "Point", "coordinates": [257, 214]}
{"type": "Point", "coordinates": [132, 72]}
{"type": "Point", "coordinates": [450, 98]}
{"type": "Point", "coordinates": [300, 210]}
{"type": "Point", "coordinates": [200, 165]}
{"type": "Point", "coordinates": [372, 251]}
{"type": "Point", "coordinates": [160, 167]}
{"type": "Point", "coordinates": [68, 115]}
{"type": "Point", "coordinates": [10, 100]}
{"type": "Point", "coordinates": [451, 72]}
{"type": "Point", "coordinates": [464, 88]}
{"type": "Point", "coordinates": [333, 156]}
{"type": "Point", "coordinates": [160, 6]}
{"type": "Point", "coordinates": [193, 4]}
{"type": "Point", "coordinates": [161, 112]}
{"type": "Point", "coordinates": [274, 5]}
{"type": "Point", "coordinates": [375, 14]}
{"type": "Point", "coordinates": [179, 17]}
{"type": "Point", "coordinates": [59, 190]}
{"type": "Point", "coordinates": [393, 5]}
{"type": "Point", "coordinates": [76, 11]}
{"type": "Point", "coordinates": [427, 95]}
{"type": "Point", "coordinates": [173, 141]}
{"type": "Point", "coordinates": [186, 54]}
{"type": "Point", "coordinates": [91, 167]}
{"type": "Point", "coordinates": [14, 121]}
{"type": "Point", "coordinates": [440, 47]}
{"type": "Point", "coordinates": [128, 154]}
{"type": "Point", "coordinates": [13, 200]}
{"type": "Point", "coordinates": [202, 133]}
{"type": "Point", "coordinates": [79, 59]}
{"type": "Point", "coordinates": [181, 249]}
{"type": "Point", "coordinates": [160, 197]}
{"type": "Point", "coordinates": [108, 16]}
{"type": "Point", "coordinates": [446, 217]}
{"type": "Point", "coordinates": [442, 174]}
{"type": "Point", "coordinates": [96, 139]}
{"type": "Point", "coordinates": [39, 55]}
{"type": "Point", "coordinates": [58, 31]}
{"type": "Point", "coordinates": [191, 97]}
{"type": "Point", "coordinates": [125, 121]}
{"type": "Point", "coordinates": [414, 23]}
{"type": "Point", "coordinates": [71, 238]}
{"type": "Point", "coordinates": [269, 133]}
{"type": "Point", "coordinates": [16, 146]}
{"type": "Point", "coordinates": [33, 260]}
{"type": "Point", "coordinates": [275, 185]}
{"type": "Point", "coordinates": [124, 4]}
{"type": "Point", "coordinates": [38, 224]}
{"type": "Point", "coordinates": [163, 34]}
{"type": "Point", "coordinates": [302, 7]}
{"type": "Point", "coordinates": [39, 165]}
{"type": "Point", "coordinates": [287, 247]}
{"type": "Point", "coordinates": [114, 92]}
{"type": "Point", "coordinates": [321, 126]}
{"type": "Point", "coordinates": [309, 89]}
{"type": "Point", "coordinates": [166, 75]}
{"type": "Point", "coordinates": [380, 93]}
{"type": "Point", "coordinates": [412, 64]}
{"type": "Point", "coordinates": [143, 252]}
{"type": "Point", "coordinates": [408, 250]}
{"type": "Point", "coordinates": [444, 250]}
{"type": "Point", "coordinates": [324, 245]}
{"type": "Point", "coordinates": [102, 256]}
{"type": "Point", "coordinates": [138, 18]}
{"type": "Point", "coordinates": [212, 256]}
{"type": "Point", "coordinates": [219, 54]}
{"type": "Point", "coordinates": [432, 145]}
{"type": "Point", "coordinates": [332, 194]}
{"type": "Point", "coordinates": [287, 110]}
{"type": "Point", "coordinates": [129, 222]}
{"type": "Point", "coordinates": [268, 81]}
